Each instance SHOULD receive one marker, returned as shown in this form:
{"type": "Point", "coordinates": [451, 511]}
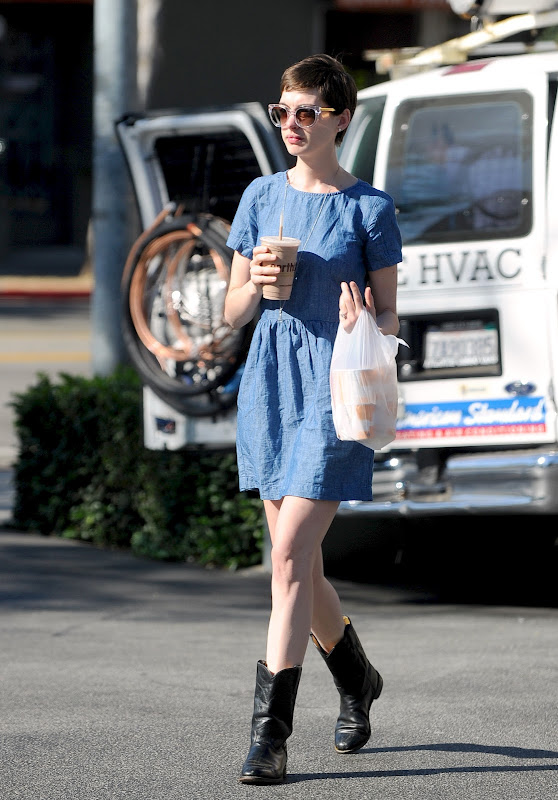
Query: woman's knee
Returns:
{"type": "Point", "coordinates": [290, 563]}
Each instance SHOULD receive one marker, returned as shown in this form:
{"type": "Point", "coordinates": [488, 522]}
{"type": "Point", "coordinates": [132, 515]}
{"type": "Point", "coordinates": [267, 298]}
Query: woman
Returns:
{"type": "Point", "coordinates": [286, 442]}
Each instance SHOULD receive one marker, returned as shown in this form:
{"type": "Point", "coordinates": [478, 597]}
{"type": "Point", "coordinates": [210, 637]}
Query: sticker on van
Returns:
{"type": "Point", "coordinates": [517, 415]}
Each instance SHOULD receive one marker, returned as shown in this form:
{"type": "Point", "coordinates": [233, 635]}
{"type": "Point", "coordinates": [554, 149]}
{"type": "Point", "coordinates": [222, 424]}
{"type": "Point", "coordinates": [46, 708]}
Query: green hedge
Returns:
{"type": "Point", "coordinates": [82, 472]}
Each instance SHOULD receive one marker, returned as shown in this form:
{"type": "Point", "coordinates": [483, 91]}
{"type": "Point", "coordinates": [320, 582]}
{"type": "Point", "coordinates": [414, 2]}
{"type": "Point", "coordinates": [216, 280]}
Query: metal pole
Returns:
{"type": "Point", "coordinates": [115, 92]}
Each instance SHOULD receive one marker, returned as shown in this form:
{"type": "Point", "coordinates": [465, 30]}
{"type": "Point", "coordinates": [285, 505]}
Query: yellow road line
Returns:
{"type": "Point", "coordinates": [30, 336]}
{"type": "Point", "coordinates": [53, 356]}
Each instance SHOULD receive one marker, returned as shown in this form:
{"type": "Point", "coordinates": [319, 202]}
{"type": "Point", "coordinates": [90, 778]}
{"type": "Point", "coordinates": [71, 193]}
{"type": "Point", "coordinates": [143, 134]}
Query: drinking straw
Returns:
{"type": "Point", "coordinates": [281, 226]}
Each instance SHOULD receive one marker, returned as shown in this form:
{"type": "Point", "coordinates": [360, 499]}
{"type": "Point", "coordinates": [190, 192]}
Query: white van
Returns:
{"type": "Point", "coordinates": [468, 152]}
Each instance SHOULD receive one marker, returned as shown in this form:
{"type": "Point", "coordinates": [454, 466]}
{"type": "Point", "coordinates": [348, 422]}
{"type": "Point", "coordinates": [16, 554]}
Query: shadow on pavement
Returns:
{"type": "Point", "coordinates": [489, 560]}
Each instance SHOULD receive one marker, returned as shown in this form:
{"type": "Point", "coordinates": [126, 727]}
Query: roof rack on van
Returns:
{"type": "Point", "coordinates": [407, 61]}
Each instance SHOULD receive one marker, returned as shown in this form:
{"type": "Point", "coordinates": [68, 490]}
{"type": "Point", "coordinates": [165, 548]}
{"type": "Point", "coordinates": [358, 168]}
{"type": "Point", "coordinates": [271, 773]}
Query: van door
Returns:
{"type": "Point", "coordinates": [200, 159]}
{"type": "Point", "coordinates": [189, 171]}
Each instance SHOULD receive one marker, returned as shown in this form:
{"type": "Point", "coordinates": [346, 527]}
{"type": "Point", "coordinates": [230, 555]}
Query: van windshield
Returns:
{"type": "Point", "coordinates": [460, 167]}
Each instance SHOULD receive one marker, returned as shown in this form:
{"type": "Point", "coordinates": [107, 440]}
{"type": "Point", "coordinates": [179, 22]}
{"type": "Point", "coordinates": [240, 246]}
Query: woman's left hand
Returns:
{"type": "Point", "coordinates": [351, 304]}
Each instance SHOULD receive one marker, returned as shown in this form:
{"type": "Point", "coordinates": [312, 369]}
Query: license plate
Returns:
{"type": "Point", "coordinates": [460, 348]}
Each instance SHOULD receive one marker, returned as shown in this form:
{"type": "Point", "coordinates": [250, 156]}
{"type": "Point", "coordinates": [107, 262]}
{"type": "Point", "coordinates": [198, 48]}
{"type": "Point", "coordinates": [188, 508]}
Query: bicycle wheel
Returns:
{"type": "Point", "coordinates": [174, 286]}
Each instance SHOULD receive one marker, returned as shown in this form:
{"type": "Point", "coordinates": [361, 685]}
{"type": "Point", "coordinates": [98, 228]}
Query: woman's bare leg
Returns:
{"type": "Point", "coordinates": [297, 527]}
{"type": "Point", "coordinates": [327, 618]}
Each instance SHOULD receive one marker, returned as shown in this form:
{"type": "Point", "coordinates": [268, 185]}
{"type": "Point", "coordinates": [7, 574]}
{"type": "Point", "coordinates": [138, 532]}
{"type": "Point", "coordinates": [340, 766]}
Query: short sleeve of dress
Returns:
{"type": "Point", "coordinates": [243, 235]}
{"type": "Point", "coordinates": [383, 243]}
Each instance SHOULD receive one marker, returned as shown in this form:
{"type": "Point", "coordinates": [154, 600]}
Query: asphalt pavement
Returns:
{"type": "Point", "coordinates": [125, 678]}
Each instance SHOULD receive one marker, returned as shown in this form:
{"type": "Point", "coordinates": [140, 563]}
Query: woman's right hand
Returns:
{"type": "Point", "coordinates": [246, 284]}
{"type": "Point", "coordinates": [262, 267]}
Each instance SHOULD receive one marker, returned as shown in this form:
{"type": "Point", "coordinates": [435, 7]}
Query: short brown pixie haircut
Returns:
{"type": "Point", "coordinates": [329, 77]}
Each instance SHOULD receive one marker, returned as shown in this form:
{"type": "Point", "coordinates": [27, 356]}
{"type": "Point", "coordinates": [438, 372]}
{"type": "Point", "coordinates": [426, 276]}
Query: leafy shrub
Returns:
{"type": "Point", "coordinates": [82, 472]}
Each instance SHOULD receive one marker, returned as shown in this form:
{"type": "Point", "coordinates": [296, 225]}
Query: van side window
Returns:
{"type": "Point", "coordinates": [460, 167]}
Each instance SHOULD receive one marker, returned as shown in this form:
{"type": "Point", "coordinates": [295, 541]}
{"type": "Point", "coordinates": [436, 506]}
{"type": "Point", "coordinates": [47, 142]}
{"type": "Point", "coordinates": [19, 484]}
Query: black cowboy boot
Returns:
{"type": "Point", "coordinates": [358, 683]}
{"type": "Point", "coordinates": [272, 724]}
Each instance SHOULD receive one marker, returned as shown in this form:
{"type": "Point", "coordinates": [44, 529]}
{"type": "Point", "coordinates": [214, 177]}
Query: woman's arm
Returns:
{"type": "Point", "coordinates": [243, 296]}
{"type": "Point", "coordinates": [383, 283]}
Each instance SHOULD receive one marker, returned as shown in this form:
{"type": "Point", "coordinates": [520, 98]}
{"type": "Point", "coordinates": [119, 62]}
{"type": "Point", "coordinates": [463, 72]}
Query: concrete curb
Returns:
{"type": "Point", "coordinates": [14, 287]}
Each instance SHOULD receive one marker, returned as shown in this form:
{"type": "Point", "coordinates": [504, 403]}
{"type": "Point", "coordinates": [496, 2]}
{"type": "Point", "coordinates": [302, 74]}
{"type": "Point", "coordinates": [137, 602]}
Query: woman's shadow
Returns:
{"type": "Point", "coordinates": [449, 747]}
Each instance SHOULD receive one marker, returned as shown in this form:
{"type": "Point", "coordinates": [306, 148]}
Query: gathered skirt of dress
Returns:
{"type": "Point", "coordinates": [286, 439]}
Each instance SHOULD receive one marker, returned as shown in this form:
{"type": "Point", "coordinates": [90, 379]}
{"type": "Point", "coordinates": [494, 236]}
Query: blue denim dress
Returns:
{"type": "Point", "coordinates": [286, 440]}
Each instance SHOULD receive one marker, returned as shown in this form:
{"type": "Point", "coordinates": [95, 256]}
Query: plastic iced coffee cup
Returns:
{"type": "Point", "coordinates": [286, 250]}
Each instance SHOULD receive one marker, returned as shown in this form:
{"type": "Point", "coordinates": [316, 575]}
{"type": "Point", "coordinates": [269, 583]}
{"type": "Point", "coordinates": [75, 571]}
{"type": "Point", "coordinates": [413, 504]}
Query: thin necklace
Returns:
{"type": "Point", "coordinates": [287, 182]}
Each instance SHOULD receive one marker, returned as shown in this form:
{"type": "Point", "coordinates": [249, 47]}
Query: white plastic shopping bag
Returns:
{"type": "Point", "coordinates": [363, 381]}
